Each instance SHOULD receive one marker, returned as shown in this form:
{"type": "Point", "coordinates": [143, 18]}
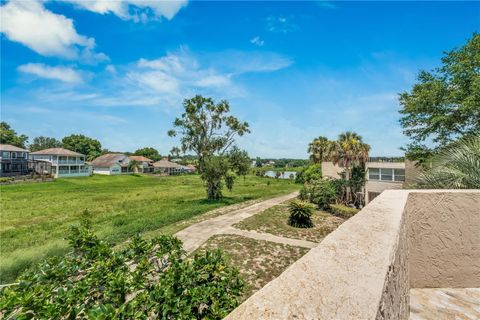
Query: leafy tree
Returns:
{"type": "Point", "coordinates": [230, 177]}
{"type": "Point", "coordinates": [319, 149]}
{"type": "Point", "coordinates": [133, 165]}
{"type": "Point", "coordinates": [207, 129]}
{"type": "Point", "coordinates": [9, 136]}
{"type": "Point", "coordinates": [308, 174]}
{"type": "Point", "coordinates": [456, 166]}
{"type": "Point", "coordinates": [444, 104]}
{"type": "Point", "coordinates": [349, 151]}
{"type": "Point", "coordinates": [239, 161]}
{"type": "Point", "coordinates": [148, 152]}
{"type": "Point", "coordinates": [40, 143]}
{"type": "Point", "coordinates": [79, 143]}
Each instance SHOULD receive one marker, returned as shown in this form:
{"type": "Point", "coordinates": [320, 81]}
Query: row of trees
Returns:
{"type": "Point", "coordinates": [90, 147]}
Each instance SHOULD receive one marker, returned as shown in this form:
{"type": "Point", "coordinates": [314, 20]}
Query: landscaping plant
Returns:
{"type": "Point", "coordinates": [300, 214]}
{"type": "Point", "coordinates": [320, 192]}
{"type": "Point", "coordinates": [145, 280]}
{"type": "Point", "coordinates": [343, 211]}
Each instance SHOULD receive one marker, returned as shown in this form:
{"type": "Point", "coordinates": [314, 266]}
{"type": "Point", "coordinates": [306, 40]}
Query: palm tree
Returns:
{"type": "Point", "coordinates": [455, 167]}
{"type": "Point", "coordinates": [349, 151]}
{"type": "Point", "coordinates": [319, 149]}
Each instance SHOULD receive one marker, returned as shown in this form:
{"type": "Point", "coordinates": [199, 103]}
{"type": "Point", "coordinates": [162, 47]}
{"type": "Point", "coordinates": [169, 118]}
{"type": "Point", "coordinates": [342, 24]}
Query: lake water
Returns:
{"type": "Point", "coordinates": [284, 175]}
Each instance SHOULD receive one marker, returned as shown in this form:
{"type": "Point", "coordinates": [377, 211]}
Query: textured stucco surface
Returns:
{"type": "Point", "coordinates": [355, 271]}
{"type": "Point", "coordinates": [444, 239]}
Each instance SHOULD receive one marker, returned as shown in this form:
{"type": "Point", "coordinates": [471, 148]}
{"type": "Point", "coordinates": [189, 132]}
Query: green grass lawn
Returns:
{"type": "Point", "coordinates": [35, 217]}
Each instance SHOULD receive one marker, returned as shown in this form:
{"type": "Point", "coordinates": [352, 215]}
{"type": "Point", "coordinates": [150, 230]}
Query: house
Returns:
{"type": "Point", "coordinates": [145, 164]}
{"type": "Point", "coordinates": [64, 163]}
{"type": "Point", "coordinates": [190, 168]}
{"type": "Point", "coordinates": [14, 161]}
{"type": "Point", "coordinates": [112, 164]}
{"type": "Point", "coordinates": [167, 167]}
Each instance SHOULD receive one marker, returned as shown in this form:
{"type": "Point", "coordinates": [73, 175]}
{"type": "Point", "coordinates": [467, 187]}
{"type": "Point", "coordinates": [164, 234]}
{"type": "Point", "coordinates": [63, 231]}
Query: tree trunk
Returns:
{"type": "Point", "coordinates": [348, 189]}
{"type": "Point", "coordinates": [214, 189]}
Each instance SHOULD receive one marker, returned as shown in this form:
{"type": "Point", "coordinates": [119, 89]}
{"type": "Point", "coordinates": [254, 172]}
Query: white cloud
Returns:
{"type": "Point", "coordinates": [257, 41]}
{"type": "Point", "coordinates": [45, 32]}
{"type": "Point", "coordinates": [137, 10]}
{"type": "Point", "coordinates": [53, 73]}
{"type": "Point", "coordinates": [280, 24]}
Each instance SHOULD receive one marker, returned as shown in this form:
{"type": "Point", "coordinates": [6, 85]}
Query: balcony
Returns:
{"type": "Point", "coordinates": [408, 254]}
{"type": "Point", "coordinates": [68, 162]}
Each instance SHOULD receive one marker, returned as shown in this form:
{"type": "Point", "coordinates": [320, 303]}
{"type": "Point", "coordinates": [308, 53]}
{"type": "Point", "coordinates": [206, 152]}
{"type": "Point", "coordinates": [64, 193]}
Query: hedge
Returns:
{"type": "Point", "coordinates": [343, 211]}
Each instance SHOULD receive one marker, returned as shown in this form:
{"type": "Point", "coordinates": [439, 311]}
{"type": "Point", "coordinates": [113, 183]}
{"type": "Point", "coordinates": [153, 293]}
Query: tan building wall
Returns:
{"type": "Point", "coordinates": [376, 186]}
{"type": "Point", "coordinates": [330, 170]}
{"type": "Point", "coordinates": [444, 239]}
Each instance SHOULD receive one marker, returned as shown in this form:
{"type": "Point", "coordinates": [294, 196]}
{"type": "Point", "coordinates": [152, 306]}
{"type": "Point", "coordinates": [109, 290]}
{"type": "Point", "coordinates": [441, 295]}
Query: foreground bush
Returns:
{"type": "Point", "coordinates": [321, 192]}
{"type": "Point", "coordinates": [148, 279]}
{"type": "Point", "coordinates": [300, 214]}
{"type": "Point", "coordinates": [343, 211]}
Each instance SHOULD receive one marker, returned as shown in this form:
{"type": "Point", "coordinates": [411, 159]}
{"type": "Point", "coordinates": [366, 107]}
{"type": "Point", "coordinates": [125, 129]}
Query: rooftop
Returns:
{"type": "Point", "coordinates": [58, 152]}
{"type": "Point", "coordinates": [108, 160]}
{"type": "Point", "coordinates": [9, 147]}
{"type": "Point", "coordinates": [140, 158]}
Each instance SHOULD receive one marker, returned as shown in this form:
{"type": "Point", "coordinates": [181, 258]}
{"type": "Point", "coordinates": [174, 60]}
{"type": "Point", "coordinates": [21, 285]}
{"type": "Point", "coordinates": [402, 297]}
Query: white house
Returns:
{"type": "Point", "coordinates": [65, 163]}
{"type": "Point", "coordinates": [111, 164]}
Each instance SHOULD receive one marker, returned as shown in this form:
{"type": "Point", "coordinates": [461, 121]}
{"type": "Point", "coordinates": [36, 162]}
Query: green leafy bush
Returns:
{"type": "Point", "coordinates": [309, 174]}
{"type": "Point", "coordinates": [300, 214]}
{"type": "Point", "coordinates": [343, 211]}
{"type": "Point", "coordinates": [147, 279]}
{"type": "Point", "coordinates": [320, 192]}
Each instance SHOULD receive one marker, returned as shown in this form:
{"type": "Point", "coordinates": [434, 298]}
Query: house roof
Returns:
{"type": "Point", "coordinates": [164, 163]}
{"type": "Point", "coordinates": [57, 152]}
{"type": "Point", "coordinates": [140, 158]}
{"type": "Point", "coordinates": [9, 147]}
{"type": "Point", "coordinates": [109, 159]}
{"type": "Point", "coordinates": [191, 166]}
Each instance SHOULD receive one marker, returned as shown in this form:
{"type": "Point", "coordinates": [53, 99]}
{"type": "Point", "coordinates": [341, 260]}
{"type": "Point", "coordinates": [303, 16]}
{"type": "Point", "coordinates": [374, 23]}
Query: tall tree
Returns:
{"type": "Point", "coordinates": [444, 104]}
{"type": "Point", "coordinates": [148, 152]}
{"type": "Point", "coordinates": [79, 143]}
{"type": "Point", "coordinates": [348, 151]}
{"type": "Point", "coordinates": [40, 143]}
{"type": "Point", "coordinates": [9, 136]}
{"type": "Point", "coordinates": [207, 129]}
{"type": "Point", "coordinates": [319, 149]}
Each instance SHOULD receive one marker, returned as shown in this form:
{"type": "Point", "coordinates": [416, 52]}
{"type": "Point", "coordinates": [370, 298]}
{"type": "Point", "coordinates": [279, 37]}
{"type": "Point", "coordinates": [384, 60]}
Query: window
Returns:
{"type": "Point", "coordinates": [386, 174]}
{"type": "Point", "coordinates": [374, 174]}
{"type": "Point", "coordinates": [14, 155]}
{"type": "Point", "coordinates": [5, 154]}
{"type": "Point", "coordinates": [399, 174]}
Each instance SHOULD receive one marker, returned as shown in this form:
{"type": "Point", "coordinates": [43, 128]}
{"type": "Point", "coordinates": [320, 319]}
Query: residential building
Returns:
{"type": "Point", "coordinates": [381, 176]}
{"type": "Point", "coordinates": [167, 167]}
{"type": "Point", "coordinates": [145, 164]}
{"type": "Point", "coordinates": [112, 164]}
{"type": "Point", "coordinates": [14, 161]}
{"type": "Point", "coordinates": [64, 163]}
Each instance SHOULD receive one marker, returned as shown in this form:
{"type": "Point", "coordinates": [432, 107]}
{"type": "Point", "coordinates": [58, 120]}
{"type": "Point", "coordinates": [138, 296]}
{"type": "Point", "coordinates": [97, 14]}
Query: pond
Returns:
{"type": "Point", "coordinates": [283, 174]}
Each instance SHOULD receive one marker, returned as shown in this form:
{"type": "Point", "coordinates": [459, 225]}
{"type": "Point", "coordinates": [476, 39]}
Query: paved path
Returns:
{"type": "Point", "coordinates": [270, 237]}
{"type": "Point", "coordinates": [195, 235]}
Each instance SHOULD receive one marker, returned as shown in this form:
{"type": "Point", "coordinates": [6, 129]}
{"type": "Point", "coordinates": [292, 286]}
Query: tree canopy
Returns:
{"type": "Point", "coordinates": [79, 143]}
{"type": "Point", "coordinates": [148, 152]}
{"type": "Point", "coordinates": [239, 161]}
{"type": "Point", "coordinates": [444, 104]}
{"type": "Point", "coordinates": [9, 136]}
{"type": "Point", "coordinates": [40, 143]}
{"type": "Point", "coordinates": [319, 149]}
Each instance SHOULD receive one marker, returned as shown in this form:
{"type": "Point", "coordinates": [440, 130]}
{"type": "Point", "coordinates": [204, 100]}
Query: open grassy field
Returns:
{"type": "Point", "coordinates": [35, 217]}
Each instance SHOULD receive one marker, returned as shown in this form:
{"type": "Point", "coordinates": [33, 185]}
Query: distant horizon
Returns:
{"type": "Point", "coordinates": [118, 72]}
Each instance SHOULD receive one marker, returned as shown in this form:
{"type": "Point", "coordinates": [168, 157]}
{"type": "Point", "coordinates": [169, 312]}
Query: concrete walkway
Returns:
{"type": "Point", "coordinates": [195, 235]}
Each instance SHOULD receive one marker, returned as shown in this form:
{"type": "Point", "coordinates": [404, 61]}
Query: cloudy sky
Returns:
{"type": "Point", "coordinates": [119, 70]}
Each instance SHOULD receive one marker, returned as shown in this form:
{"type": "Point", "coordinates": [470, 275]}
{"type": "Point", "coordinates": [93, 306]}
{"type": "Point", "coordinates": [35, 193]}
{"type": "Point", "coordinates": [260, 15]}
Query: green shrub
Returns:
{"type": "Point", "coordinates": [300, 214]}
{"type": "Point", "coordinates": [309, 174]}
{"type": "Point", "coordinates": [321, 192]}
{"type": "Point", "coordinates": [147, 279]}
{"type": "Point", "coordinates": [343, 211]}
{"type": "Point", "coordinates": [6, 179]}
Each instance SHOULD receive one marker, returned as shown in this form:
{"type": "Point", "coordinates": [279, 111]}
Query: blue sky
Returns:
{"type": "Point", "coordinates": [119, 70]}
